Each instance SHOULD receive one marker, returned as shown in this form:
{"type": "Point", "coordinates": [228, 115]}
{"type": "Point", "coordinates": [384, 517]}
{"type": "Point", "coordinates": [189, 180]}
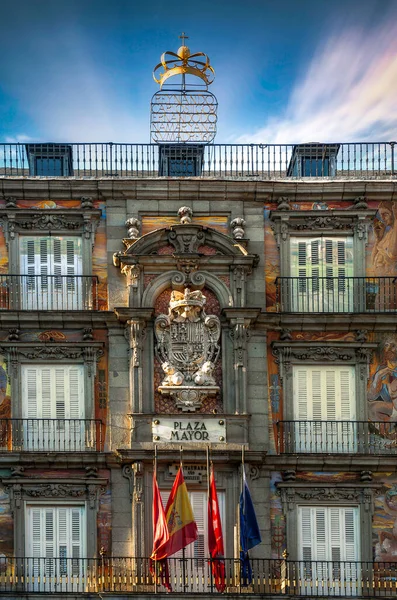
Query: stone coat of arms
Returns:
{"type": "Point", "coordinates": [188, 348]}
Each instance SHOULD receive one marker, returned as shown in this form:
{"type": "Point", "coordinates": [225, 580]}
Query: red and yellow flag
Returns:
{"type": "Point", "coordinates": [158, 559]}
{"type": "Point", "coordinates": [182, 527]}
{"type": "Point", "coordinates": [215, 537]}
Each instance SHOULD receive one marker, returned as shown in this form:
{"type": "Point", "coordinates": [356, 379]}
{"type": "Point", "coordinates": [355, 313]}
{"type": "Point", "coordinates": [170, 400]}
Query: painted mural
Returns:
{"type": "Point", "coordinates": [151, 222]}
{"type": "Point", "coordinates": [6, 525]}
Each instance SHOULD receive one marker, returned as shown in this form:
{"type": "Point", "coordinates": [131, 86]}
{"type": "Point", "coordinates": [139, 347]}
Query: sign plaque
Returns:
{"type": "Point", "coordinates": [178, 429]}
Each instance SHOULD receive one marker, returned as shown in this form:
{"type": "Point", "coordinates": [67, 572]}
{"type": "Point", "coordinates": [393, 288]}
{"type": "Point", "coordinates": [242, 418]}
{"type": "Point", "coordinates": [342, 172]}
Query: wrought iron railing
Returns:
{"type": "Point", "coordinates": [51, 435]}
{"type": "Point", "coordinates": [48, 292]}
{"type": "Point", "coordinates": [193, 576]}
{"type": "Point", "coordinates": [336, 294]}
{"type": "Point", "coordinates": [337, 437]}
{"type": "Point", "coordinates": [262, 161]}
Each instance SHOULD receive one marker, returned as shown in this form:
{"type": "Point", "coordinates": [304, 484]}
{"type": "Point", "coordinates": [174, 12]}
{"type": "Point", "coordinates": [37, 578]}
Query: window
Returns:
{"type": "Point", "coordinates": [181, 160]}
{"type": "Point", "coordinates": [322, 274]}
{"type": "Point", "coordinates": [50, 160]}
{"type": "Point", "coordinates": [324, 409]}
{"type": "Point", "coordinates": [197, 566]}
{"type": "Point", "coordinates": [53, 407]}
{"type": "Point", "coordinates": [55, 545]}
{"type": "Point", "coordinates": [328, 543]}
{"type": "Point", "coordinates": [51, 269]}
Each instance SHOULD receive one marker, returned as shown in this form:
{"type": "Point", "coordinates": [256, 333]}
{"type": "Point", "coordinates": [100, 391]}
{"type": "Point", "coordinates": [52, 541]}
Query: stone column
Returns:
{"type": "Point", "coordinates": [136, 329]}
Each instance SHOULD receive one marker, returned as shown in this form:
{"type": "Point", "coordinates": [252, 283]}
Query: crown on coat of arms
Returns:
{"type": "Point", "coordinates": [187, 298]}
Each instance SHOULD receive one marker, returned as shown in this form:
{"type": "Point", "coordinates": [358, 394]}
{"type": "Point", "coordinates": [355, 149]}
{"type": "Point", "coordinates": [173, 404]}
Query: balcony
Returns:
{"type": "Point", "coordinates": [336, 294]}
{"type": "Point", "coordinates": [48, 292]}
{"type": "Point", "coordinates": [193, 576]}
{"type": "Point", "coordinates": [337, 437]}
{"type": "Point", "coordinates": [361, 160]}
{"type": "Point", "coordinates": [50, 435]}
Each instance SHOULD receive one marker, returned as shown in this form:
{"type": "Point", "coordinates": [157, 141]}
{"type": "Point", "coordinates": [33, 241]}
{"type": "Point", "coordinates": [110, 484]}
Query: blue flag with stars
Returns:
{"type": "Point", "coordinates": [249, 532]}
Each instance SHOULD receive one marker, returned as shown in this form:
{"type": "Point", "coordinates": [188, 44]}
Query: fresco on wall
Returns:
{"type": "Point", "coordinates": [165, 404]}
{"type": "Point", "coordinates": [6, 526]}
{"type": "Point", "coordinates": [382, 247]}
{"type": "Point", "coordinates": [104, 524]}
{"type": "Point", "coordinates": [5, 405]}
{"type": "Point", "coordinates": [382, 392]}
{"type": "Point", "coordinates": [153, 222]}
{"type": "Point", "coordinates": [277, 519]}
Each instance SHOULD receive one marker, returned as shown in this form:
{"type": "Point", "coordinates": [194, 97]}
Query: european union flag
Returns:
{"type": "Point", "coordinates": [249, 533]}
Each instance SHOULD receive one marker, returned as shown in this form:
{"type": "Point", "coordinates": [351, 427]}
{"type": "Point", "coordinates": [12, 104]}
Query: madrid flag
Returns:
{"type": "Point", "coordinates": [182, 527]}
{"type": "Point", "coordinates": [215, 537]}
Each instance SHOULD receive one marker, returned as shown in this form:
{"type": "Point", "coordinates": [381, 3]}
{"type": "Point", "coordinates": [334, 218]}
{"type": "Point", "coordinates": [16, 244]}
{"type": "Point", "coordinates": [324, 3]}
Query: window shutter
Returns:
{"type": "Point", "coordinates": [30, 393]}
{"type": "Point", "coordinates": [46, 393]}
{"type": "Point", "coordinates": [36, 529]}
{"type": "Point", "coordinates": [328, 533]}
{"type": "Point", "coordinates": [199, 506]}
{"type": "Point", "coordinates": [324, 393]}
{"type": "Point", "coordinates": [76, 396]}
{"type": "Point", "coordinates": [306, 530]}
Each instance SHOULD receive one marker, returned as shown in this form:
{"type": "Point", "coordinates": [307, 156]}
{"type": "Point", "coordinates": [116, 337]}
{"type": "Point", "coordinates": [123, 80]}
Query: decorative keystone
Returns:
{"type": "Point", "coordinates": [86, 202]}
{"type": "Point", "coordinates": [185, 215]}
{"type": "Point", "coordinates": [237, 226]}
{"type": "Point", "coordinates": [134, 227]}
{"type": "Point", "coordinates": [283, 203]}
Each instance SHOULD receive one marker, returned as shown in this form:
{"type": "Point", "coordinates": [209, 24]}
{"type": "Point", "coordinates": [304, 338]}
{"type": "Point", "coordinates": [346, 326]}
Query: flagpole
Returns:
{"type": "Point", "coordinates": [183, 549]}
{"type": "Point", "coordinates": [155, 562]}
{"type": "Point", "coordinates": [208, 500]}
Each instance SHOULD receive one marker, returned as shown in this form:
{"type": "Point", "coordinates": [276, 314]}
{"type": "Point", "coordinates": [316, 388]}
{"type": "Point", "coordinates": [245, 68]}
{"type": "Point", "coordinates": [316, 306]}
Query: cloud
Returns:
{"type": "Point", "coordinates": [348, 93]}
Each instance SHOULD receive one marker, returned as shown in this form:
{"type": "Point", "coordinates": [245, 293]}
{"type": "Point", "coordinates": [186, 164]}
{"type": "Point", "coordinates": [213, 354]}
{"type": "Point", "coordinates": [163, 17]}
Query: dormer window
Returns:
{"type": "Point", "coordinates": [50, 160]}
{"type": "Point", "coordinates": [313, 160]}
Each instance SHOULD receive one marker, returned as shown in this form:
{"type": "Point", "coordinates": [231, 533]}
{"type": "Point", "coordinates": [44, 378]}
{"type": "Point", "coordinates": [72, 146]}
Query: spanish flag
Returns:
{"type": "Point", "coordinates": [182, 527]}
{"type": "Point", "coordinates": [158, 560]}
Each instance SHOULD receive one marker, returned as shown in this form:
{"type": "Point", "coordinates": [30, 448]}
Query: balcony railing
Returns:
{"type": "Point", "coordinates": [193, 576]}
{"type": "Point", "coordinates": [336, 294]}
{"type": "Point", "coordinates": [261, 161]}
{"type": "Point", "coordinates": [50, 435]}
{"type": "Point", "coordinates": [337, 437]}
{"type": "Point", "coordinates": [48, 292]}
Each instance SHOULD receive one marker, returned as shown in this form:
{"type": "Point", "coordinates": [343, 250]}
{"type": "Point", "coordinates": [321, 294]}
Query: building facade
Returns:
{"type": "Point", "coordinates": [252, 304]}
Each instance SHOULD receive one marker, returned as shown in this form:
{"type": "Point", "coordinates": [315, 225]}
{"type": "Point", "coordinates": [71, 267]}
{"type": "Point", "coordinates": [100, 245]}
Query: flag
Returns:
{"type": "Point", "coordinates": [158, 558]}
{"type": "Point", "coordinates": [215, 537]}
{"type": "Point", "coordinates": [249, 532]}
{"type": "Point", "coordinates": [182, 527]}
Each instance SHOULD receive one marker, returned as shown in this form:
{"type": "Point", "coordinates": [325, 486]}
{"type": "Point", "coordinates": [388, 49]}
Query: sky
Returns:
{"type": "Point", "coordinates": [287, 71]}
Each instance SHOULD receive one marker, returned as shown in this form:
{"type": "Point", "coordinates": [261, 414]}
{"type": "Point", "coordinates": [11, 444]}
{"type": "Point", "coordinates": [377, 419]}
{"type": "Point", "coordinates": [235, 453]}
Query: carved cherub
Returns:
{"type": "Point", "coordinates": [173, 376]}
{"type": "Point", "coordinates": [204, 376]}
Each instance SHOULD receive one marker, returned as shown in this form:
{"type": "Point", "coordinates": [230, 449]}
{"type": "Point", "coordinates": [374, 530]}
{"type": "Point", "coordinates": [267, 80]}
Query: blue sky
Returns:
{"type": "Point", "coordinates": [286, 71]}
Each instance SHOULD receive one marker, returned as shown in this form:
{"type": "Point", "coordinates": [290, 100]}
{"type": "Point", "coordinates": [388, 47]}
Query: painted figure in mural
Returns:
{"type": "Point", "coordinates": [382, 388]}
{"type": "Point", "coordinates": [386, 548]}
{"type": "Point", "coordinates": [384, 254]}
{"type": "Point", "coordinates": [5, 402]}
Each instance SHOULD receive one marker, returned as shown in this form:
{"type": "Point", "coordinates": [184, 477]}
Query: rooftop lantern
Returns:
{"type": "Point", "coordinates": [183, 112]}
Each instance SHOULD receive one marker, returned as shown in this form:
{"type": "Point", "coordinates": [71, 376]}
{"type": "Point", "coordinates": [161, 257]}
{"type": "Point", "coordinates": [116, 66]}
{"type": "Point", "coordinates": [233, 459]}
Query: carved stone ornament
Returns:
{"type": "Point", "coordinates": [237, 226]}
{"type": "Point", "coordinates": [49, 223]}
{"type": "Point", "coordinates": [187, 346]}
{"type": "Point", "coordinates": [134, 226]}
{"type": "Point", "coordinates": [185, 215]}
{"type": "Point", "coordinates": [291, 495]}
{"type": "Point", "coordinates": [28, 489]}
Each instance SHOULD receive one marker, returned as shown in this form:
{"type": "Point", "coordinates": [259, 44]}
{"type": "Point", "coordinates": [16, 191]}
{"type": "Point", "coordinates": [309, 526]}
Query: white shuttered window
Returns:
{"type": "Point", "coordinates": [328, 543]}
{"type": "Point", "coordinates": [53, 406]}
{"type": "Point", "coordinates": [325, 393]}
{"type": "Point", "coordinates": [319, 268]}
{"type": "Point", "coordinates": [42, 259]}
{"type": "Point", "coordinates": [55, 541]}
